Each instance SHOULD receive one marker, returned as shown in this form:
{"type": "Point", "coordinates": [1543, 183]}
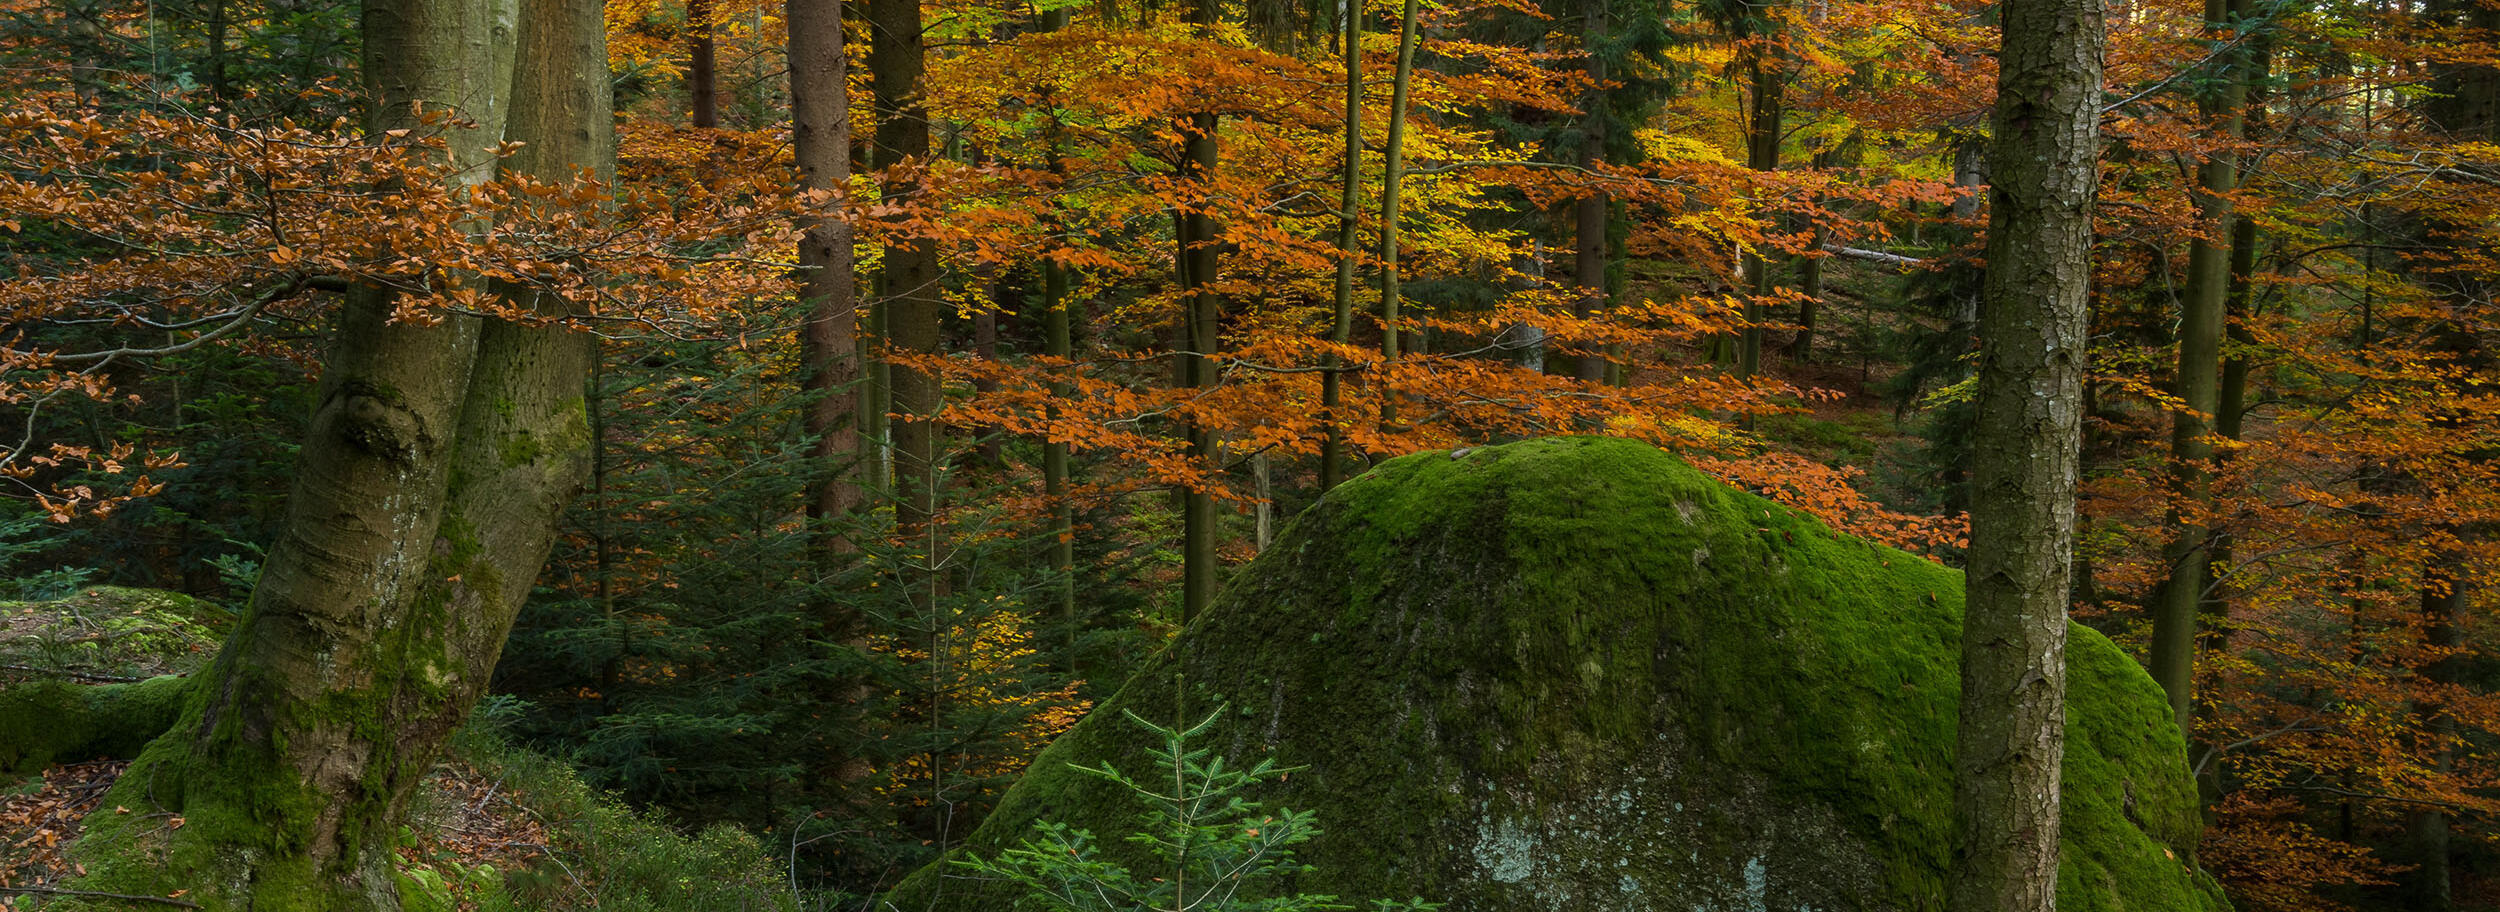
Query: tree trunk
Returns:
{"type": "Point", "coordinates": [1392, 181]}
{"type": "Point", "coordinates": [1589, 211]}
{"type": "Point", "coordinates": [435, 465]}
{"type": "Point", "coordinates": [1350, 193]}
{"type": "Point", "coordinates": [1059, 341]}
{"type": "Point", "coordinates": [2011, 737]}
{"type": "Point", "coordinates": [2443, 629]}
{"type": "Point", "coordinates": [914, 302]}
{"type": "Point", "coordinates": [820, 129]}
{"type": "Point", "coordinates": [1762, 153]}
{"type": "Point", "coordinates": [702, 66]}
{"type": "Point", "coordinates": [820, 139]}
{"type": "Point", "coordinates": [2201, 319]}
{"type": "Point", "coordinates": [1200, 316]}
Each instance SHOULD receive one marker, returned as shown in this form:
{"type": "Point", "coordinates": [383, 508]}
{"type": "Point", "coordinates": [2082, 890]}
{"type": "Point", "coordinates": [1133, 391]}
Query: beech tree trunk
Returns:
{"type": "Point", "coordinates": [1059, 341]}
{"type": "Point", "coordinates": [1588, 213]}
{"type": "Point", "coordinates": [2010, 741]}
{"type": "Point", "coordinates": [2201, 319]}
{"type": "Point", "coordinates": [1763, 117]}
{"type": "Point", "coordinates": [1392, 182]}
{"type": "Point", "coordinates": [2465, 104]}
{"type": "Point", "coordinates": [1349, 197]}
{"type": "Point", "coordinates": [427, 489]}
{"type": "Point", "coordinates": [1201, 318]}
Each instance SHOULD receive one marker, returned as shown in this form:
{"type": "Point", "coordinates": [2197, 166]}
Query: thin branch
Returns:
{"type": "Point", "coordinates": [53, 891]}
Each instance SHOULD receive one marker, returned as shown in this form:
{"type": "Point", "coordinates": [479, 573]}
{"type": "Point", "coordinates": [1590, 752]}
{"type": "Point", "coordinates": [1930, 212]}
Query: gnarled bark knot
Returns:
{"type": "Point", "coordinates": [378, 427]}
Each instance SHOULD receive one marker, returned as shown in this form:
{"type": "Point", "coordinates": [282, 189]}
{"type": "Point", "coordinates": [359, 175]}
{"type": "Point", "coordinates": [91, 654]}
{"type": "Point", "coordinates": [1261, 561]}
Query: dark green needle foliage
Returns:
{"type": "Point", "coordinates": [1213, 850]}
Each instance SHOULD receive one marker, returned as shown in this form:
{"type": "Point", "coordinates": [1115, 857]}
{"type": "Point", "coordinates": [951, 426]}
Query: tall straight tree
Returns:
{"type": "Point", "coordinates": [1349, 196]}
{"type": "Point", "coordinates": [702, 66]}
{"type": "Point", "coordinates": [2202, 309]}
{"type": "Point", "coordinates": [1589, 212]}
{"type": "Point", "coordinates": [912, 300]}
{"type": "Point", "coordinates": [1201, 319]}
{"type": "Point", "coordinates": [435, 465]}
{"type": "Point", "coordinates": [820, 140]}
{"type": "Point", "coordinates": [2033, 320]}
{"type": "Point", "coordinates": [2464, 104]}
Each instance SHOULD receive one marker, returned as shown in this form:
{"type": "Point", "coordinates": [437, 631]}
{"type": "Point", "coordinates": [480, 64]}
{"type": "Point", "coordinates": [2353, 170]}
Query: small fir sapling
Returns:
{"type": "Point", "coordinates": [1213, 849]}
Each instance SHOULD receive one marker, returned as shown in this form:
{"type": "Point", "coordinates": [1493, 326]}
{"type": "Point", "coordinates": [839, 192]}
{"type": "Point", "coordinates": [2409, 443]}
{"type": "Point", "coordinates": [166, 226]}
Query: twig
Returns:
{"type": "Point", "coordinates": [54, 891]}
{"type": "Point", "coordinates": [97, 677]}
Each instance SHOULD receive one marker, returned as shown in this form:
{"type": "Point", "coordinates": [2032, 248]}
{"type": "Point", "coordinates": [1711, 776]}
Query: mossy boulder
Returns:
{"type": "Point", "coordinates": [115, 631]}
{"type": "Point", "coordinates": [1577, 674]}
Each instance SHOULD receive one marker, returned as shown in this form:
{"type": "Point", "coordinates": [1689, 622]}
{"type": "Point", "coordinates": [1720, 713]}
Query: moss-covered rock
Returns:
{"type": "Point", "coordinates": [113, 631]}
{"type": "Point", "coordinates": [1579, 675]}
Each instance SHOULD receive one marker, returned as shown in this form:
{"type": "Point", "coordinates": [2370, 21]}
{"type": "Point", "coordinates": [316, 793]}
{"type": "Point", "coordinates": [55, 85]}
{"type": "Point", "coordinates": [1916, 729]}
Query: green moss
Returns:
{"type": "Point", "coordinates": [1577, 673]}
{"type": "Point", "coordinates": [220, 816]}
{"type": "Point", "coordinates": [47, 722]}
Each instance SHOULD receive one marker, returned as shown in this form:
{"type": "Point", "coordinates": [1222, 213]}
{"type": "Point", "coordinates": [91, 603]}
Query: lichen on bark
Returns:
{"type": "Point", "coordinates": [1577, 673]}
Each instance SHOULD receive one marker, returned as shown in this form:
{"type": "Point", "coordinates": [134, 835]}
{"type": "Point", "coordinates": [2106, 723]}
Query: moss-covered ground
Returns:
{"type": "Point", "coordinates": [1576, 674]}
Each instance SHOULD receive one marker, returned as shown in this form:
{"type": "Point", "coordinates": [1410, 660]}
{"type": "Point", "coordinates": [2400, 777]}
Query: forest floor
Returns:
{"type": "Point", "coordinates": [463, 816]}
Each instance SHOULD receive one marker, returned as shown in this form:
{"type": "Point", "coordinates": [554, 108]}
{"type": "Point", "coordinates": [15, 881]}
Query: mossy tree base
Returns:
{"type": "Point", "coordinates": [1578, 674]}
{"type": "Point", "coordinates": [47, 722]}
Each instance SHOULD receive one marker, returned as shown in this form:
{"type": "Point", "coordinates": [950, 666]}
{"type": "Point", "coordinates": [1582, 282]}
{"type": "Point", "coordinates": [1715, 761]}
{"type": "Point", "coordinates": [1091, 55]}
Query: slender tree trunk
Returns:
{"type": "Point", "coordinates": [1764, 115]}
{"type": "Point", "coordinates": [1392, 182]}
{"type": "Point", "coordinates": [218, 88]}
{"type": "Point", "coordinates": [1349, 198]}
{"type": "Point", "coordinates": [2010, 741]}
{"type": "Point", "coordinates": [2443, 623]}
{"type": "Point", "coordinates": [2201, 319]}
{"type": "Point", "coordinates": [425, 499]}
{"type": "Point", "coordinates": [1589, 211]}
{"type": "Point", "coordinates": [913, 301]}
{"type": "Point", "coordinates": [1059, 341]}
{"type": "Point", "coordinates": [1201, 319]}
{"type": "Point", "coordinates": [2231, 400]}
{"type": "Point", "coordinates": [702, 66]}
{"type": "Point", "coordinates": [1201, 315]}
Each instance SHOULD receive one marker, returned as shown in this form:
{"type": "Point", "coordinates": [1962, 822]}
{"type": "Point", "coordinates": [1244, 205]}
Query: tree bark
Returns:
{"type": "Point", "coordinates": [1589, 211]}
{"type": "Point", "coordinates": [913, 301]}
{"type": "Point", "coordinates": [433, 470]}
{"type": "Point", "coordinates": [2010, 741]}
{"type": "Point", "coordinates": [2201, 319]}
{"type": "Point", "coordinates": [1200, 315]}
{"type": "Point", "coordinates": [1392, 181]}
{"type": "Point", "coordinates": [1349, 197]}
{"type": "Point", "coordinates": [1763, 118]}
{"type": "Point", "coordinates": [820, 133]}
{"type": "Point", "coordinates": [702, 66]}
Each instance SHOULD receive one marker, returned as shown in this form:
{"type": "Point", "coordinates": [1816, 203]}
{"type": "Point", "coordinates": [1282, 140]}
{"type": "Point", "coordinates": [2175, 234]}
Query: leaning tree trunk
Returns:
{"type": "Point", "coordinates": [427, 489]}
{"type": "Point", "coordinates": [2035, 312]}
{"type": "Point", "coordinates": [1392, 184]}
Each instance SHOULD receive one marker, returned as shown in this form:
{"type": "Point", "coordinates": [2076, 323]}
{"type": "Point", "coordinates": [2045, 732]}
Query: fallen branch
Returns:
{"type": "Point", "coordinates": [54, 891]}
{"type": "Point", "coordinates": [1878, 256]}
{"type": "Point", "coordinates": [97, 677]}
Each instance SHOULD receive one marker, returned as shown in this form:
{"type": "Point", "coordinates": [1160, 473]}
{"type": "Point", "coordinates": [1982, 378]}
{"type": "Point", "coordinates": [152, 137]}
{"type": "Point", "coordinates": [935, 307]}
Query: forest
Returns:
{"type": "Point", "coordinates": [823, 455]}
